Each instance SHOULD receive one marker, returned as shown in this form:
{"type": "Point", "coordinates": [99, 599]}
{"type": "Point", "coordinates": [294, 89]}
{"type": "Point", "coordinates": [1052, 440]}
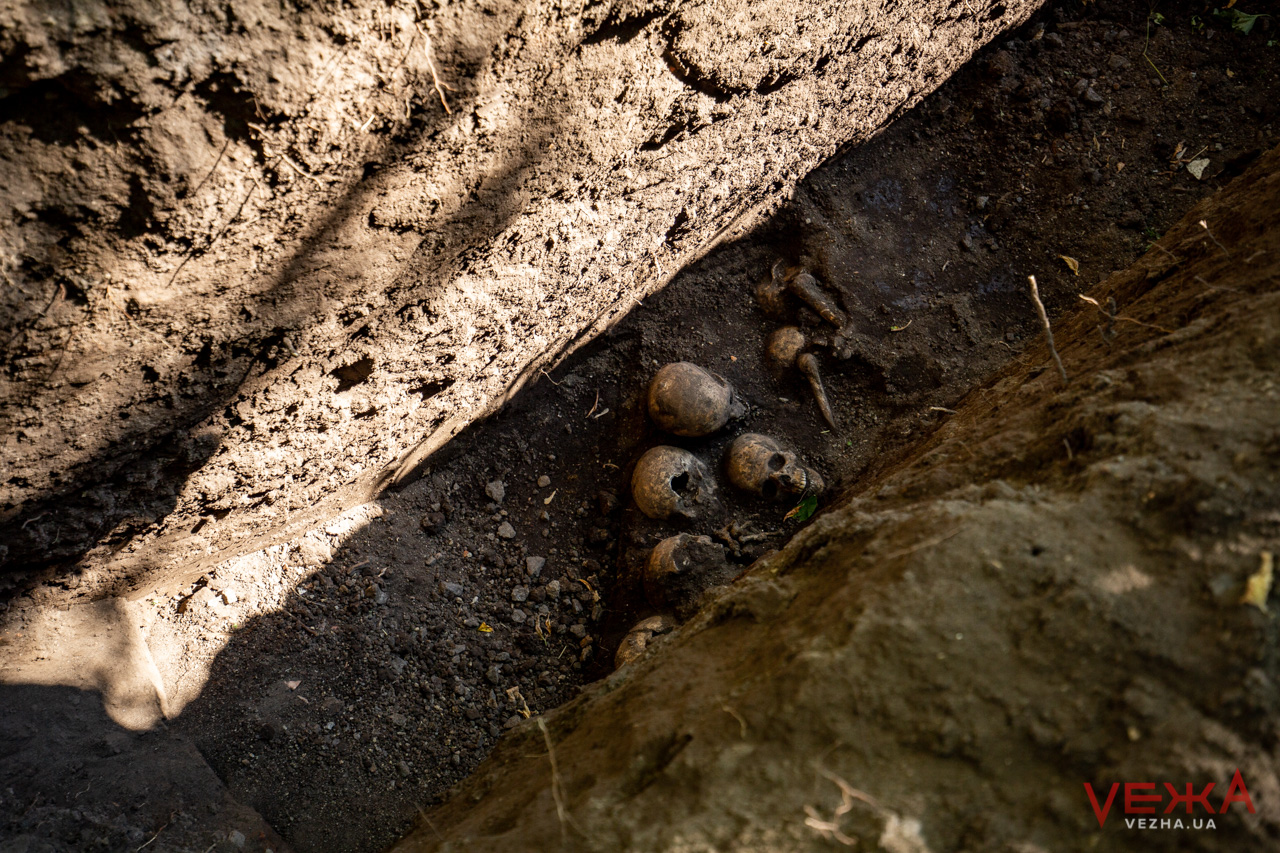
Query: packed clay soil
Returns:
{"type": "Point", "coordinates": [340, 682]}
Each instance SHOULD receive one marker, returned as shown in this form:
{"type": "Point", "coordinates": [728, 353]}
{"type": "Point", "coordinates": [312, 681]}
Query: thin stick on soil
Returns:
{"type": "Point", "coordinates": [1048, 332]}
{"type": "Point", "coordinates": [435, 77]}
{"type": "Point", "coordinates": [1148, 44]}
{"type": "Point", "coordinates": [1205, 225]}
{"type": "Point", "coordinates": [191, 253]}
{"type": "Point", "coordinates": [301, 171]}
{"type": "Point", "coordinates": [212, 168]}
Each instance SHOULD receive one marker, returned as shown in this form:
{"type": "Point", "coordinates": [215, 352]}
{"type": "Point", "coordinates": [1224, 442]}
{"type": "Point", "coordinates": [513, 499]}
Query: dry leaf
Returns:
{"type": "Point", "coordinates": [549, 498]}
{"type": "Point", "coordinates": [1071, 262]}
{"type": "Point", "coordinates": [484, 628]}
{"type": "Point", "coordinates": [1258, 587]}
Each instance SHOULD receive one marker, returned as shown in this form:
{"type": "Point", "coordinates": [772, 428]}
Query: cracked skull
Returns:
{"type": "Point", "coordinates": [686, 400]}
{"type": "Point", "coordinates": [672, 483]}
{"type": "Point", "coordinates": [759, 464]}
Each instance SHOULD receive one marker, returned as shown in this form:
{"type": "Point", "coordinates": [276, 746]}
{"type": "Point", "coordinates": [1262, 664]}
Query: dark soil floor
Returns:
{"type": "Point", "coordinates": [356, 673]}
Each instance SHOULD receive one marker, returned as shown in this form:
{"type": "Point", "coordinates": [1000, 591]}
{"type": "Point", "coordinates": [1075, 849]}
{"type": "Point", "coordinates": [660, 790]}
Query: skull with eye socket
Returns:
{"type": "Point", "coordinates": [669, 482]}
{"type": "Point", "coordinates": [762, 466]}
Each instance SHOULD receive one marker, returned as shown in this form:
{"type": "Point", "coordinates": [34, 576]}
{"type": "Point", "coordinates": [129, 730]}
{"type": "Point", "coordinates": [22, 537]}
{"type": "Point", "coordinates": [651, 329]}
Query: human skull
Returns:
{"type": "Point", "coordinates": [759, 464]}
{"type": "Point", "coordinates": [638, 638]}
{"type": "Point", "coordinates": [681, 568]}
{"type": "Point", "coordinates": [783, 347]}
{"type": "Point", "coordinates": [686, 400]}
{"type": "Point", "coordinates": [670, 482]}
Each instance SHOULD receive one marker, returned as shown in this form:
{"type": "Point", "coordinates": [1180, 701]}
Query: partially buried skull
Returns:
{"type": "Point", "coordinates": [686, 400]}
{"type": "Point", "coordinates": [640, 636]}
{"type": "Point", "coordinates": [672, 483]}
{"type": "Point", "coordinates": [681, 568]}
{"type": "Point", "coordinates": [759, 464]}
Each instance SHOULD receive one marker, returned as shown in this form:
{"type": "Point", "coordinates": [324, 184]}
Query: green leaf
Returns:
{"type": "Point", "coordinates": [1239, 21]}
{"type": "Point", "coordinates": [804, 510]}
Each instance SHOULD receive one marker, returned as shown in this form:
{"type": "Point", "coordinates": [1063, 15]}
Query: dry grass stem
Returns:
{"type": "Point", "coordinates": [1048, 332]}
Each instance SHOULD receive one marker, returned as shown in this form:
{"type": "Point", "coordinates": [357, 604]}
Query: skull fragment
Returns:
{"type": "Point", "coordinates": [686, 400]}
{"type": "Point", "coordinates": [681, 568]}
{"type": "Point", "coordinates": [672, 483]}
{"type": "Point", "coordinates": [760, 465]}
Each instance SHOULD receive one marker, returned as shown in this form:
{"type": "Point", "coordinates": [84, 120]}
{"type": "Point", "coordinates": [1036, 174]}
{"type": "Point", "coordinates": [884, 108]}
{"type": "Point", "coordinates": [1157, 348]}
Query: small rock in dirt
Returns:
{"type": "Point", "coordinates": [544, 481]}
{"type": "Point", "coordinates": [553, 589]}
{"type": "Point", "coordinates": [230, 595]}
{"type": "Point", "coordinates": [432, 521]}
{"type": "Point", "coordinates": [313, 551]}
{"type": "Point", "coordinates": [1001, 64]}
{"type": "Point", "coordinates": [496, 490]}
{"type": "Point", "coordinates": [966, 242]}
{"type": "Point", "coordinates": [1131, 219]}
{"type": "Point", "coordinates": [452, 590]}
{"type": "Point", "coordinates": [518, 616]}
{"type": "Point", "coordinates": [1053, 40]}
{"type": "Point", "coordinates": [1118, 63]}
{"type": "Point", "coordinates": [398, 720]}
{"type": "Point", "coordinates": [506, 531]}
{"type": "Point", "coordinates": [1092, 98]}
{"type": "Point", "coordinates": [494, 674]}
{"type": "Point", "coordinates": [534, 565]}
{"type": "Point", "coordinates": [236, 839]}
{"type": "Point", "coordinates": [402, 767]}
{"type": "Point", "coordinates": [520, 593]}
{"type": "Point", "coordinates": [578, 630]}
{"type": "Point", "coordinates": [607, 502]}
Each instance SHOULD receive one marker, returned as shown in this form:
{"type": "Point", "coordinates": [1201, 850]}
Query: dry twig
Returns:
{"type": "Point", "coordinates": [1048, 332]}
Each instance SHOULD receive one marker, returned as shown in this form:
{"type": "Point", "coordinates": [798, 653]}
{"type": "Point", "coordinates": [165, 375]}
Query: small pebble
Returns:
{"type": "Point", "coordinates": [534, 565]}
{"type": "Point", "coordinates": [520, 593]}
{"type": "Point", "coordinates": [453, 590]}
{"type": "Point", "coordinates": [496, 490]}
{"type": "Point", "coordinates": [506, 531]}
{"type": "Point", "coordinates": [544, 481]}
{"type": "Point", "coordinates": [553, 589]}
{"type": "Point", "coordinates": [518, 616]}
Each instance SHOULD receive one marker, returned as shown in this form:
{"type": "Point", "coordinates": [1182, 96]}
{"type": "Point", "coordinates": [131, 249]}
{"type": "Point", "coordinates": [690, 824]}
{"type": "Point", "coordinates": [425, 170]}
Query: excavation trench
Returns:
{"type": "Point", "coordinates": [959, 640]}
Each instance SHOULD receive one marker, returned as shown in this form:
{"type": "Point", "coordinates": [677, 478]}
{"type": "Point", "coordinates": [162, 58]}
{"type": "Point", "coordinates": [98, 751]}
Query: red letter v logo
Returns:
{"type": "Point", "coordinates": [1100, 812]}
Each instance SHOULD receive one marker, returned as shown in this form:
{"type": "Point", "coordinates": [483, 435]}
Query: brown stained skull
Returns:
{"type": "Point", "coordinates": [633, 645]}
{"type": "Point", "coordinates": [786, 350]}
{"type": "Point", "coordinates": [672, 483]}
{"type": "Point", "coordinates": [687, 400]}
{"type": "Point", "coordinates": [760, 465]}
{"type": "Point", "coordinates": [681, 569]}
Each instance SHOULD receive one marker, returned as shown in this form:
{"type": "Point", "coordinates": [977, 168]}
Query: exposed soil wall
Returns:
{"type": "Point", "coordinates": [1067, 584]}
{"type": "Point", "coordinates": [259, 270]}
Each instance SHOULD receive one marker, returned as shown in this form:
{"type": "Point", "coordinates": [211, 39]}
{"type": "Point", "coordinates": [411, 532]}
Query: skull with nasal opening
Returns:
{"type": "Point", "coordinates": [672, 483]}
{"type": "Point", "coordinates": [763, 466]}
